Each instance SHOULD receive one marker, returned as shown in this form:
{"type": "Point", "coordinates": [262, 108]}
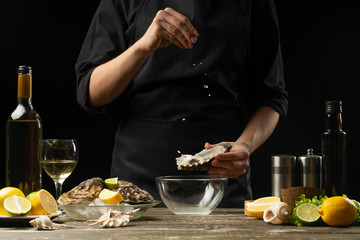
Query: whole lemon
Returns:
{"type": "Point", "coordinates": [338, 211]}
{"type": "Point", "coordinates": [5, 193]}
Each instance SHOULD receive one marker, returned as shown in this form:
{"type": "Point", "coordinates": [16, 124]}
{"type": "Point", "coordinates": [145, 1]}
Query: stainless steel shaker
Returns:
{"type": "Point", "coordinates": [310, 170]}
{"type": "Point", "coordinates": [282, 173]}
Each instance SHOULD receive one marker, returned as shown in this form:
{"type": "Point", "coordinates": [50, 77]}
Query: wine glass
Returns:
{"type": "Point", "coordinates": [58, 159]}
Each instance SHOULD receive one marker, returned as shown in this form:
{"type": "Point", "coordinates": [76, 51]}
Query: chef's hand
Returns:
{"type": "Point", "coordinates": [231, 164]}
{"type": "Point", "coordinates": [169, 27]}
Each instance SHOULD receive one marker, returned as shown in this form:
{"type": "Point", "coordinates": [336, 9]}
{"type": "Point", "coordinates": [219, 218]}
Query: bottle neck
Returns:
{"type": "Point", "coordinates": [24, 86]}
{"type": "Point", "coordinates": [333, 122]}
{"type": "Point", "coordinates": [26, 102]}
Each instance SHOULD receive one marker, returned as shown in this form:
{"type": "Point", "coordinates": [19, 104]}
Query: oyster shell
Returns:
{"type": "Point", "coordinates": [132, 194]}
{"type": "Point", "coordinates": [277, 213]}
{"type": "Point", "coordinates": [43, 222]}
{"type": "Point", "coordinates": [84, 193]}
{"type": "Point", "coordinates": [114, 218]}
{"type": "Point", "coordinates": [201, 161]}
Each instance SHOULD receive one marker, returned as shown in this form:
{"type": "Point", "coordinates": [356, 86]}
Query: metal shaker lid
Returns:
{"type": "Point", "coordinates": [309, 155]}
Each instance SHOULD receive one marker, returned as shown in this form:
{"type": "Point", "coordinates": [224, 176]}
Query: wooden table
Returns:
{"type": "Point", "coordinates": [160, 223]}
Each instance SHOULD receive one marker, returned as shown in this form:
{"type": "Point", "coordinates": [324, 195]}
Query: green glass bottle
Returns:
{"type": "Point", "coordinates": [23, 136]}
{"type": "Point", "coordinates": [333, 145]}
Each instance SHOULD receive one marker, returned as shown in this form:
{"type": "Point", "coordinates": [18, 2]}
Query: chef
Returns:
{"type": "Point", "coordinates": [184, 75]}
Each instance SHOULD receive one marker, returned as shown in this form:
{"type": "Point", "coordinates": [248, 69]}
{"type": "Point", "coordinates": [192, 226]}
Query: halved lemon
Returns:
{"type": "Point", "coordinates": [43, 203]}
{"type": "Point", "coordinates": [17, 206]}
{"type": "Point", "coordinates": [257, 208]}
{"type": "Point", "coordinates": [110, 197]}
{"type": "Point", "coordinates": [111, 183]}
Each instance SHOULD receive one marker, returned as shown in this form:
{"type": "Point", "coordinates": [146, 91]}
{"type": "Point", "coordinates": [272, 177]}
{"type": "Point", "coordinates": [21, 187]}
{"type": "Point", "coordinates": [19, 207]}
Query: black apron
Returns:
{"type": "Point", "coordinates": [145, 149]}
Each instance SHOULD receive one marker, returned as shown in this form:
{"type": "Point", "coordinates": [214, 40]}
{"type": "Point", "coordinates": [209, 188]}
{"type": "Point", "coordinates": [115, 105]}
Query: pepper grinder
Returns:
{"type": "Point", "coordinates": [282, 173]}
{"type": "Point", "coordinates": [309, 168]}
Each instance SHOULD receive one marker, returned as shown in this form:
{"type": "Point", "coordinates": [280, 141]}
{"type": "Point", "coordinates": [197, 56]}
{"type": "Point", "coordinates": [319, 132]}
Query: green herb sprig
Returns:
{"type": "Point", "coordinates": [357, 204]}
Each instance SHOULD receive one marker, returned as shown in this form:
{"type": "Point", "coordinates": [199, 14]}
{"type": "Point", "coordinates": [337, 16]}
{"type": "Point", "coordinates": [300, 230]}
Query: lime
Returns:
{"type": "Point", "coordinates": [4, 194]}
{"type": "Point", "coordinates": [30, 195]}
{"type": "Point", "coordinates": [308, 213]}
{"type": "Point", "coordinates": [111, 183]}
{"type": "Point", "coordinates": [17, 206]}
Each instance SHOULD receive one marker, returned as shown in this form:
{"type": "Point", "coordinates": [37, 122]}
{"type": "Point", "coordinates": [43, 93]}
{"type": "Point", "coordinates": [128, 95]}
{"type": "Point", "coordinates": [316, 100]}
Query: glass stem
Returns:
{"type": "Point", "coordinates": [58, 188]}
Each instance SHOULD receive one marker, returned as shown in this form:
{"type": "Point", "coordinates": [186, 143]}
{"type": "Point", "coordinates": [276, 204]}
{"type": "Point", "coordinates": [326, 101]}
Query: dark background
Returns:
{"type": "Point", "coordinates": [320, 44]}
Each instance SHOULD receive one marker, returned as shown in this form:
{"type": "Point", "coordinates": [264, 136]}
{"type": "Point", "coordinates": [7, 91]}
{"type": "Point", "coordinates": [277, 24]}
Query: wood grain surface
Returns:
{"type": "Point", "coordinates": [160, 223]}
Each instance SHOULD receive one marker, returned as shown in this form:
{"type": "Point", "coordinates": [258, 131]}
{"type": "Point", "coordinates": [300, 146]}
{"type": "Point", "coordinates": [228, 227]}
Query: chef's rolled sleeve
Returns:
{"type": "Point", "coordinates": [266, 86]}
{"type": "Point", "coordinates": [105, 39]}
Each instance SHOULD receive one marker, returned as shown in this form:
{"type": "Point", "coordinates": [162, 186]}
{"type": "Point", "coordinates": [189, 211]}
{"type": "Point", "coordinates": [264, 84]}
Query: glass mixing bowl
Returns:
{"type": "Point", "coordinates": [191, 195]}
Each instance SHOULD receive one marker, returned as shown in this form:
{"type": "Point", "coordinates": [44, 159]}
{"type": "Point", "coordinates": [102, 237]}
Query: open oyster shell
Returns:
{"type": "Point", "coordinates": [84, 193]}
{"type": "Point", "coordinates": [200, 161]}
{"type": "Point", "coordinates": [132, 193]}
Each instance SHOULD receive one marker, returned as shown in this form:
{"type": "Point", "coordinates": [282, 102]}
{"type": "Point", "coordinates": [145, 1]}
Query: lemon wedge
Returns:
{"type": "Point", "coordinates": [110, 197]}
{"type": "Point", "coordinates": [257, 208]}
{"type": "Point", "coordinates": [111, 183]}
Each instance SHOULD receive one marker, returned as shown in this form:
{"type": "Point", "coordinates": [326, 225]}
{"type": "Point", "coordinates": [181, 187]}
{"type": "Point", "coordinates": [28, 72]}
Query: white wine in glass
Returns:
{"type": "Point", "coordinates": [58, 159]}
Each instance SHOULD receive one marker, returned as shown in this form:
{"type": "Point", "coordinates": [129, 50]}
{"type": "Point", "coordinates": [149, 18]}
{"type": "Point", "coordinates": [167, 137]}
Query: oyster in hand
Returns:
{"type": "Point", "coordinates": [202, 160]}
{"type": "Point", "coordinates": [84, 193]}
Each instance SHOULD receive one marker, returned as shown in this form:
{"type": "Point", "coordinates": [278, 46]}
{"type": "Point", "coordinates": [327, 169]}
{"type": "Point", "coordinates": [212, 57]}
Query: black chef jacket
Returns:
{"type": "Point", "coordinates": [182, 98]}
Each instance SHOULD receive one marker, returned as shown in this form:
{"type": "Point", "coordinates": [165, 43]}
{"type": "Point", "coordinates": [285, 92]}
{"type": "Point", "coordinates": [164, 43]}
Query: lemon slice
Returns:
{"type": "Point", "coordinates": [308, 212]}
{"type": "Point", "coordinates": [111, 183]}
{"type": "Point", "coordinates": [43, 203]}
{"type": "Point", "coordinates": [257, 208]}
{"type": "Point", "coordinates": [17, 206]}
{"type": "Point", "coordinates": [110, 197]}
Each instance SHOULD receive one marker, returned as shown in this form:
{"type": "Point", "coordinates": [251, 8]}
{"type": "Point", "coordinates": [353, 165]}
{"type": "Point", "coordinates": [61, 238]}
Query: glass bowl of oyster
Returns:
{"type": "Point", "coordinates": [192, 195]}
{"type": "Point", "coordinates": [82, 202]}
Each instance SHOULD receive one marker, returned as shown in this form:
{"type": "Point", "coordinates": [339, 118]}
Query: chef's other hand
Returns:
{"type": "Point", "coordinates": [231, 164]}
{"type": "Point", "coordinates": [169, 26]}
